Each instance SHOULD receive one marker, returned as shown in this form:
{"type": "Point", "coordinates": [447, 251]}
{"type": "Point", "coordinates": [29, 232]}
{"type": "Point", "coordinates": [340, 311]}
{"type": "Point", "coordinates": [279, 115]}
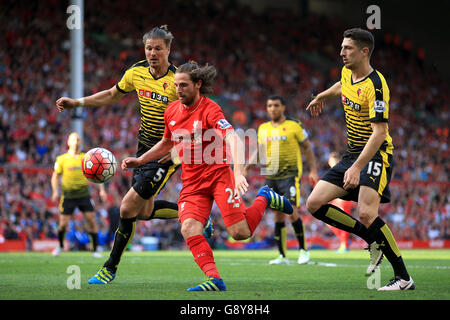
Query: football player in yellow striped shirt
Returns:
{"type": "Point", "coordinates": [364, 172]}
{"type": "Point", "coordinates": [153, 81]}
{"type": "Point", "coordinates": [283, 141]}
{"type": "Point", "coordinates": [74, 193]}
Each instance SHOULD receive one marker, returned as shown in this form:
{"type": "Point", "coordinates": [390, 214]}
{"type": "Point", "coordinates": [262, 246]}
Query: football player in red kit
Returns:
{"type": "Point", "coordinates": [203, 138]}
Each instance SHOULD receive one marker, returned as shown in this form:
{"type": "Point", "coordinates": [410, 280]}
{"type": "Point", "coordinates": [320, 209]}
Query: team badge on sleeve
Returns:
{"type": "Point", "coordinates": [379, 106]}
{"type": "Point", "coordinates": [223, 124]}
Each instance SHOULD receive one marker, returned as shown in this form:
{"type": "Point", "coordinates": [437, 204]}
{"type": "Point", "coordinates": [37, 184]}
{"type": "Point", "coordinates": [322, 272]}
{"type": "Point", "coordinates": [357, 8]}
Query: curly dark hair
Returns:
{"type": "Point", "coordinates": [206, 74]}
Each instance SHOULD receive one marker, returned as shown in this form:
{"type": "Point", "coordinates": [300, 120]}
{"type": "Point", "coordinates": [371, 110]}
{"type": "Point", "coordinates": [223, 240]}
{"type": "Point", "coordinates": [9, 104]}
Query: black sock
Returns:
{"type": "Point", "coordinates": [299, 233]}
{"type": "Point", "coordinates": [122, 238]}
{"type": "Point", "coordinates": [94, 240]}
{"type": "Point", "coordinates": [61, 233]}
{"type": "Point", "coordinates": [280, 237]}
{"type": "Point", "coordinates": [380, 232]}
{"type": "Point", "coordinates": [164, 210]}
{"type": "Point", "coordinates": [336, 217]}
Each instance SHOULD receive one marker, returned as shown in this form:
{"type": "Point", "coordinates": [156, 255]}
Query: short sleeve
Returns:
{"type": "Point", "coordinates": [216, 120]}
{"type": "Point", "coordinates": [58, 166]}
{"type": "Point", "coordinates": [126, 85]}
{"type": "Point", "coordinates": [378, 100]}
{"type": "Point", "coordinates": [301, 134]}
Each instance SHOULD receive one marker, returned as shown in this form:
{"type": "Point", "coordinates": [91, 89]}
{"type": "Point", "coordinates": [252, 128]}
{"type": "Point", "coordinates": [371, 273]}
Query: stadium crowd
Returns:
{"type": "Point", "coordinates": [271, 52]}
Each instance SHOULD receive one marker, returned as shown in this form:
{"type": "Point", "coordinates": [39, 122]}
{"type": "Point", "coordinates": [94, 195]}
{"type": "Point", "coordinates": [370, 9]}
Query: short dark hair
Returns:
{"type": "Point", "coordinates": [363, 38]}
{"type": "Point", "coordinates": [277, 97]}
{"type": "Point", "coordinates": [160, 32]}
{"type": "Point", "coordinates": [207, 74]}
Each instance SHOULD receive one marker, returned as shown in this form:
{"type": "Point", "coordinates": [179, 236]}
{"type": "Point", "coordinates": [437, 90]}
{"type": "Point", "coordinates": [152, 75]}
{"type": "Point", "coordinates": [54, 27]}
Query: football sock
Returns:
{"type": "Point", "coordinates": [164, 210]}
{"type": "Point", "coordinates": [280, 237]}
{"type": "Point", "coordinates": [61, 233]}
{"type": "Point", "coordinates": [122, 238]}
{"type": "Point", "coordinates": [94, 240]}
{"type": "Point", "coordinates": [203, 255]}
{"type": "Point", "coordinates": [255, 212]}
{"type": "Point", "coordinates": [380, 232]}
{"type": "Point", "coordinates": [336, 217]}
{"type": "Point", "coordinates": [300, 233]}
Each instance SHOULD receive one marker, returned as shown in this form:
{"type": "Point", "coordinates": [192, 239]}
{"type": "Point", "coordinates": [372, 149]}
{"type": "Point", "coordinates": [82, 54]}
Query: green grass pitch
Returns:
{"type": "Point", "coordinates": [165, 275]}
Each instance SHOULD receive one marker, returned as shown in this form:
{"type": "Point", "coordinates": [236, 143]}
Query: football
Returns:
{"type": "Point", "coordinates": [99, 165]}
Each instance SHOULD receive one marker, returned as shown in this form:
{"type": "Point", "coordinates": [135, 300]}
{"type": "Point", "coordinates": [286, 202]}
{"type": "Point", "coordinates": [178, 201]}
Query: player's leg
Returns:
{"type": "Point", "coordinates": [148, 181]}
{"type": "Point", "coordinates": [92, 230]}
{"type": "Point", "coordinates": [66, 208]}
{"type": "Point", "coordinates": [194, 213]}
{"type": "Point", "coordinates": [86, 205]}
{"type": "Point", "coordinates": [64, 220]}
{"type": "Point", "coordinates": [291, 190]}
{"type": "Point", "coordinates": [280, 237]}
{"type": "Point", "coordinates": [318, 205]}
{"type": "Point", "coordinates": [379, 232]}
{"type": "Point", "coordinates": [131, 204]}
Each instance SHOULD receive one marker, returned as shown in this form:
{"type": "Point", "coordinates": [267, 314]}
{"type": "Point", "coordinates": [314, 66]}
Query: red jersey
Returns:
{"type": "Point", "coordinates": [198, 134]}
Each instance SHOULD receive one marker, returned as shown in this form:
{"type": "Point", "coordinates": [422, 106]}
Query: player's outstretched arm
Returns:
{"type": "Point", "coordinates": [157, 151]}
{"type": "Point", "coordinates": [98, 99]}
{"type": "Point", "coordinates": [316, 105]}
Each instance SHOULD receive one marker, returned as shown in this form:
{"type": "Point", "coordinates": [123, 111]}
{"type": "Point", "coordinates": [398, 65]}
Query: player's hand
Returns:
{"type": "Point", "coordinates": [130, 162]}
{"type": "Point", "coordinates": [315, 106]}
{"type": "Point", "coordinates": [313, 178]}
{"type": "Point", "coordinates": [241, 184]}
{"type": "Point", "coordinates": [351, 178]}
{"type": "Point", "coordinates": [66, 103]}
{"type": "Point", "coordinates": [55, 196]}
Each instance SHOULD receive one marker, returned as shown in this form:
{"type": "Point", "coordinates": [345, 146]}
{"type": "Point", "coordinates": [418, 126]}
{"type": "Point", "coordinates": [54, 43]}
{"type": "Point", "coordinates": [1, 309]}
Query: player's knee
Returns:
{"type": "Point", "coordinates": [366, 214]}
{"type": "Point", "coordinates": [240, 234]}
{"type": "Point", "coordinates": [313, 204]}
{"type": "Point", "coordinates": [191, 227]}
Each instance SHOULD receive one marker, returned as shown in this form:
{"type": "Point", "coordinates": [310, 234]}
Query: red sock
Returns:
{"type": "Point", "coordinates": [255, 212]}
{"type": "Point", "coordinates": [203, 255]}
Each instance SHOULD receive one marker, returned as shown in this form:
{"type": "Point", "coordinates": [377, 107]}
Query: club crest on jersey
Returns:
{"type": "Point", "coordinates": [379, 106]}
{"type": "Point", "coordinates": [359, 91]}
{"type": "Point", "coordinates": [223, 124]}
{"type": "Point", "coordinates": [165, 85]}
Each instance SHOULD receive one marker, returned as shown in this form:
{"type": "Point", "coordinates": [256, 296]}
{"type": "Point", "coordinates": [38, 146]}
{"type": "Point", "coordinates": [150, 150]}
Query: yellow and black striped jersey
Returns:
{"type": "Point", "coordinates": [364, 102]}
{"type": "Point", "coordinates": [74, 183]}
{"type": "Point", "coordinates": [154, 94]}
{"type": "Point", "coordinates": [280, 150]}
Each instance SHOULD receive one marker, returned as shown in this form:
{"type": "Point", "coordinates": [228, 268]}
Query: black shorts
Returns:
{"type": "Point", "coordinates": [149, 179]}
{"type": "Point", "coordinates": [376, 175]}
{"type": "Point", "coordinates": [288, 187]}
{"type": "Point", "coordinates": [67, 206]}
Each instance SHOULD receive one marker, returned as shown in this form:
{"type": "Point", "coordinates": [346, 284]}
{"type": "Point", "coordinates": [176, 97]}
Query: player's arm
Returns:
{"type": "Point", "coordinates": [157, 151]}
{"type": "Point", "coordinates": [237, 149]}
{"type": "Point", "coordinates": [311, 160]}
{"type": "Point", "coordinates": [102, 98]}
{"type": "Point", "coordinates": [56, 177]}
{"type": "Point", "coordinates": [351, 176]}
{"type": "Point", "coordinates": [316, 105]}
{"type": "Point", "coordinates": [102, 190]}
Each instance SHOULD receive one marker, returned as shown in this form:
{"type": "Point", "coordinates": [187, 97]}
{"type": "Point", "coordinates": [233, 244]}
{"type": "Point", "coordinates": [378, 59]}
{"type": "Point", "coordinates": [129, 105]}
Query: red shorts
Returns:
{"type": "Point", "coordinates": [196, 200]}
